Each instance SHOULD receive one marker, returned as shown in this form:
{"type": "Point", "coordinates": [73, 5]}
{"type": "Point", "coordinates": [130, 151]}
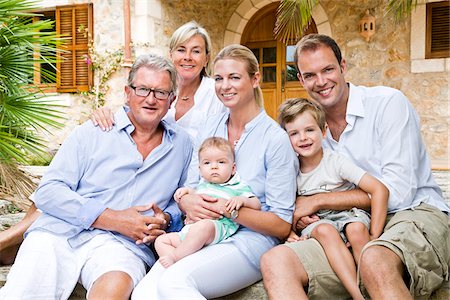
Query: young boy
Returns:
{"type": "Point", "coordinates": [220, 180]}
{"type": "Point", "coordinates": [321, 171]}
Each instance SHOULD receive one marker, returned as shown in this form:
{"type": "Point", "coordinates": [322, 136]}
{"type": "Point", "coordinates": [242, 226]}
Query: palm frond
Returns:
{"type": "Point", "coordinates": [25, 44]}
{"type": "Point", "coordinates": [16, 185]}
{"type": "Point", "coordinates": [400, 9]}
{"type": "Point", "coordinates": [31, 111]}
{"type": "Point", "coordinates": [293, 18]}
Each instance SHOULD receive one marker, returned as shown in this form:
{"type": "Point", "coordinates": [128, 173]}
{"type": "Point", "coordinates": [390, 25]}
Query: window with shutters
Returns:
{"type": "Point", "coordinates": [438, 30]}
{"type": "Point", "coordinates": [72, 74]}
{"type": "Point", "coordinates": [74, 22]}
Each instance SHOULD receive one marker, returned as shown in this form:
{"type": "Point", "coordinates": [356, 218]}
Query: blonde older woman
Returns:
{"type": "Point", "coordinates": [190, 51]}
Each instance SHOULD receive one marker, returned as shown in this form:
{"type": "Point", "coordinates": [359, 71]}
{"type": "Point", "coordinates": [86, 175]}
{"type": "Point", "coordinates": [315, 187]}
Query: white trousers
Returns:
{"type": "Point", "coordinates": [213, 271]}
{"type": "Point", "coordinates": [46, 267]}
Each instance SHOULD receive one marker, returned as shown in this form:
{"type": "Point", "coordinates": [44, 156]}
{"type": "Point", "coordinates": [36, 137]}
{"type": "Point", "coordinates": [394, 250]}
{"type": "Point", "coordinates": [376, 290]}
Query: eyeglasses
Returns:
{"type": "Point", "coordinates": [145, 92]}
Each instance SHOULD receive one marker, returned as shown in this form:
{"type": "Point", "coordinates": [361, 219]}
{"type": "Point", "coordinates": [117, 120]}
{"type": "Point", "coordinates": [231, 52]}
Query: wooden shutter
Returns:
{"type": "Point", "coordinates": [74, 22]}
{"type": "Point", "coordinates": [438, 30]}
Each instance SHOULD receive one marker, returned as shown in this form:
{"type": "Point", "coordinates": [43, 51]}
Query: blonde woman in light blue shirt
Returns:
{"type": "Point", "coordinates": [265, 160]}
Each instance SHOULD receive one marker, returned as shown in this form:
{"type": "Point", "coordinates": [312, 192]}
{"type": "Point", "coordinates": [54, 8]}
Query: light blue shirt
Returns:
{"type": "Point", "coordinates": [94, 170]}
{"type": "Point", "coordinates": [266, 162]}
{"type": "Point", "coordinates": [383, 137]}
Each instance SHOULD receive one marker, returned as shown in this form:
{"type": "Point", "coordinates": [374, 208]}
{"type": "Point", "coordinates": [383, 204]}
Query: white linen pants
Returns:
{"type": "Point", "coordinates": [213, 271]}
{"type": "Point", "coordinates": [46, 267]}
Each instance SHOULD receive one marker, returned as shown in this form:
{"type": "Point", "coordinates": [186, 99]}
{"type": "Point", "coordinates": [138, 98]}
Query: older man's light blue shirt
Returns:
{"type": "Point", "coordinates": [94, 170]}
{"type": "Point", "coordinates": [266, 162]}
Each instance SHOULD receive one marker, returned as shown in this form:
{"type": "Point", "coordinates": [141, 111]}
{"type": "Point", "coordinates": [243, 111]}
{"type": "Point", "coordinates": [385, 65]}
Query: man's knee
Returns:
{"type": "Point", "coordinates": [273, 259]}
{"type": "Point", "coordinates": [377, 260]}
{"type": "Point", "coordinates": [281, 262]}
{"type": "Point", "coordinates": [112, 285]}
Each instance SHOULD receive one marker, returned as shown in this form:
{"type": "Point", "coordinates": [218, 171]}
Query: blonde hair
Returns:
{"type": "Point", "coordinates": [218, 143]}
{"type": "Point", "coordinates": [242, 53]}
{"type": "Point", "coordinates": [186, 32]}
{"type": "Point", "coordinates": [291, 108]}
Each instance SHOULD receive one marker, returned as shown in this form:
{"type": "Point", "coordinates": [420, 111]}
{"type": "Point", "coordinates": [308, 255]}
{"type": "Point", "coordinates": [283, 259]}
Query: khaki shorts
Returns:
{"type": "Point", "coordinates": [420, 237]}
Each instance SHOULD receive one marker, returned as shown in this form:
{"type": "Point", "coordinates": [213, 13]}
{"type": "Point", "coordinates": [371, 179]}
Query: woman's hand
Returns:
{"type": "Point", "coordinates": [104, 118]}
{"type": "Point", "coordinates": [200, 206]}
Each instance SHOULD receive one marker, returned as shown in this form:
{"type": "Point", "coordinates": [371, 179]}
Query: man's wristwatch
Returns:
{"type": "Point", "coordinates": [234, 214]}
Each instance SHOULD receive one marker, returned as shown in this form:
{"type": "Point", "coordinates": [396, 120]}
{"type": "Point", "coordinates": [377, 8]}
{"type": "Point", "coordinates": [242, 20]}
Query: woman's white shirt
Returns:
{"type": "Point", "coordinates": [206, 104]}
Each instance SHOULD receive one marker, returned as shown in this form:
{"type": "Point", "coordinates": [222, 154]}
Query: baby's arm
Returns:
{"type": "Point", "coordinates": [180, 192]}
{"type": "Point", "coordinates": [239, 201]}
{"type": "Point", "coordinates": [378, 203]}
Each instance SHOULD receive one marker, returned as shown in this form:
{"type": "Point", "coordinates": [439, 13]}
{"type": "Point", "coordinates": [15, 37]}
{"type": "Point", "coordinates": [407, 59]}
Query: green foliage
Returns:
{"type": "Point", "coordinates": [400, 9]}
{"type": "Point", "coordinates": [24, 45]}
{"type": "Point", "coordinates": [293, 18]}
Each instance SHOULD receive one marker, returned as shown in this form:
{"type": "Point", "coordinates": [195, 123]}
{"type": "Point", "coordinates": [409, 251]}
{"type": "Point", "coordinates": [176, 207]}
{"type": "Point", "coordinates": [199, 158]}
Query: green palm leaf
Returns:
{"type": "Point", "coordinates": [293, 17]}
{"type": "Point", "coordinates": [400, 9]}
{"type": "Point", "coordinates": [24, 45]}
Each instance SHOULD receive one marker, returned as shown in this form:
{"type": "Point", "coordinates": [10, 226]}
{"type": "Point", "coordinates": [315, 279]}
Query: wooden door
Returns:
{"type": "Point", "coordinates": [276, 59]}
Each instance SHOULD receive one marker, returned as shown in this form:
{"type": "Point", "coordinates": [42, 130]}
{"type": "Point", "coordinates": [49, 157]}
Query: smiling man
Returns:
{"type": "Point", "coordinates": [105, 196]}
{"type": "Point", "coordinates": [378, 129]}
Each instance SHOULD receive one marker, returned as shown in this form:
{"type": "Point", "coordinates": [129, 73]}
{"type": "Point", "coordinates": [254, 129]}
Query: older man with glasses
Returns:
{"type": "Point", "coordinates": [106, 196]}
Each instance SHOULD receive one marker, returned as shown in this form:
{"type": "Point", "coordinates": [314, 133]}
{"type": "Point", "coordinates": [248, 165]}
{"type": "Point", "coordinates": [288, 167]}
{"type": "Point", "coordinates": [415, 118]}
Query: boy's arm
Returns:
{"type": "Point", "coordinates": [379, 203]}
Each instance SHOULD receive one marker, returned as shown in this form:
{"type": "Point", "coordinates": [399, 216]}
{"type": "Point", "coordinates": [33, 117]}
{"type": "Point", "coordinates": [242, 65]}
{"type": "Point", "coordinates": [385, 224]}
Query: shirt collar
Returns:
{"type": "Point", "coordinates": [124, 123]}
{"type": "Point", "coordinates": [233, 180]}
{"type": "Point", "coordinates": [250, 125]}
{"type": "Point", "coordinates": [355, 105]}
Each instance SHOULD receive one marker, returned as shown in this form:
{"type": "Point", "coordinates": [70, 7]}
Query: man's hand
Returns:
{"type": "Point", "coordinates": [200, 206]}
{"type": "Point", "coordinates": [156, 228]}
{"type": "Point", "coordinates": [131, 223]}
{"type": "Point", "coordinates": [304, 213]}
{"type": "Point", "coordinates": [305, 221]}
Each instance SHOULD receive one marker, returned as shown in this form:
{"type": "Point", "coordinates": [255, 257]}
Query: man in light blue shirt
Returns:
{"type": "Point", "coordinates": [105, 196]}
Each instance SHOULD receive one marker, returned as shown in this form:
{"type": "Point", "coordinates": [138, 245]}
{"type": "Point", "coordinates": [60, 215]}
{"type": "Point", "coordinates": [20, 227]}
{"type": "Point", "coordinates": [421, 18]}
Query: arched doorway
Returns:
{"type": "Point", "coordinates": [276, 59]}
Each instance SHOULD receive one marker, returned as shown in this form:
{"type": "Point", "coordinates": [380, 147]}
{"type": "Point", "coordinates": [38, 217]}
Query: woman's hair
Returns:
{"type": "Point", "coordinates": [187, 31]}
{"type": "Point", "coordinates": [154, 62]}
{"type": "Point", "coordinates": [291, 108]}
{"type": "Point", "coordinates": [242, 53]}
{"type": "Point", "coordinates": [218, 143]}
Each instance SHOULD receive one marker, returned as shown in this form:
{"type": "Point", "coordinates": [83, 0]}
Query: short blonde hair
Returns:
{"type": "Point", "coordinates": [187, 31]}
{"type": "Point", "coordinates": [291, 108]}
{"type": "Point", "coordinates": [218, 143]}
{"type": "Point", "coordinates": [242, 53]}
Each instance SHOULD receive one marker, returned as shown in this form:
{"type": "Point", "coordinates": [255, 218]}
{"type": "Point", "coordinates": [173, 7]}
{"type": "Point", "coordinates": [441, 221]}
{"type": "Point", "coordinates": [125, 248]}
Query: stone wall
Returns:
{"type": "Point", "coordinates": [385, 60]}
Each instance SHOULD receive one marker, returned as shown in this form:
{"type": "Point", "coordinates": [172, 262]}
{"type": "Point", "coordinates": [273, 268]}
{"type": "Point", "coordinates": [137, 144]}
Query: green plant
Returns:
{"type": "Point", "coordinates": [24, 45]}
{"type": "Point", "coordinates": [104, 64]}
{"type": "Point", "coordinates": [294, 16]}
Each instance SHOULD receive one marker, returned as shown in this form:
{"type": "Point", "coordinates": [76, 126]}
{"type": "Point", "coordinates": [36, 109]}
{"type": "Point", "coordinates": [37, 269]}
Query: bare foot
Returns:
{"type": "Point", "coordinates": [167, 260]}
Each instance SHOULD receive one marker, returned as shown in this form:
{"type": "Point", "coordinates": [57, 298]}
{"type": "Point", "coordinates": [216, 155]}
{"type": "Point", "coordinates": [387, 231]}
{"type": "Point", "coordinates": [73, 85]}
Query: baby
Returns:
{"type": "Point", "coordinates": [220, 180]}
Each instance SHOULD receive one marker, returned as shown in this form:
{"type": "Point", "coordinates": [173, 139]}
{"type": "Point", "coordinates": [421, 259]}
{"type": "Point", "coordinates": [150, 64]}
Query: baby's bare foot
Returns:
{"type": "Point", "coordinates": [167, 260]}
